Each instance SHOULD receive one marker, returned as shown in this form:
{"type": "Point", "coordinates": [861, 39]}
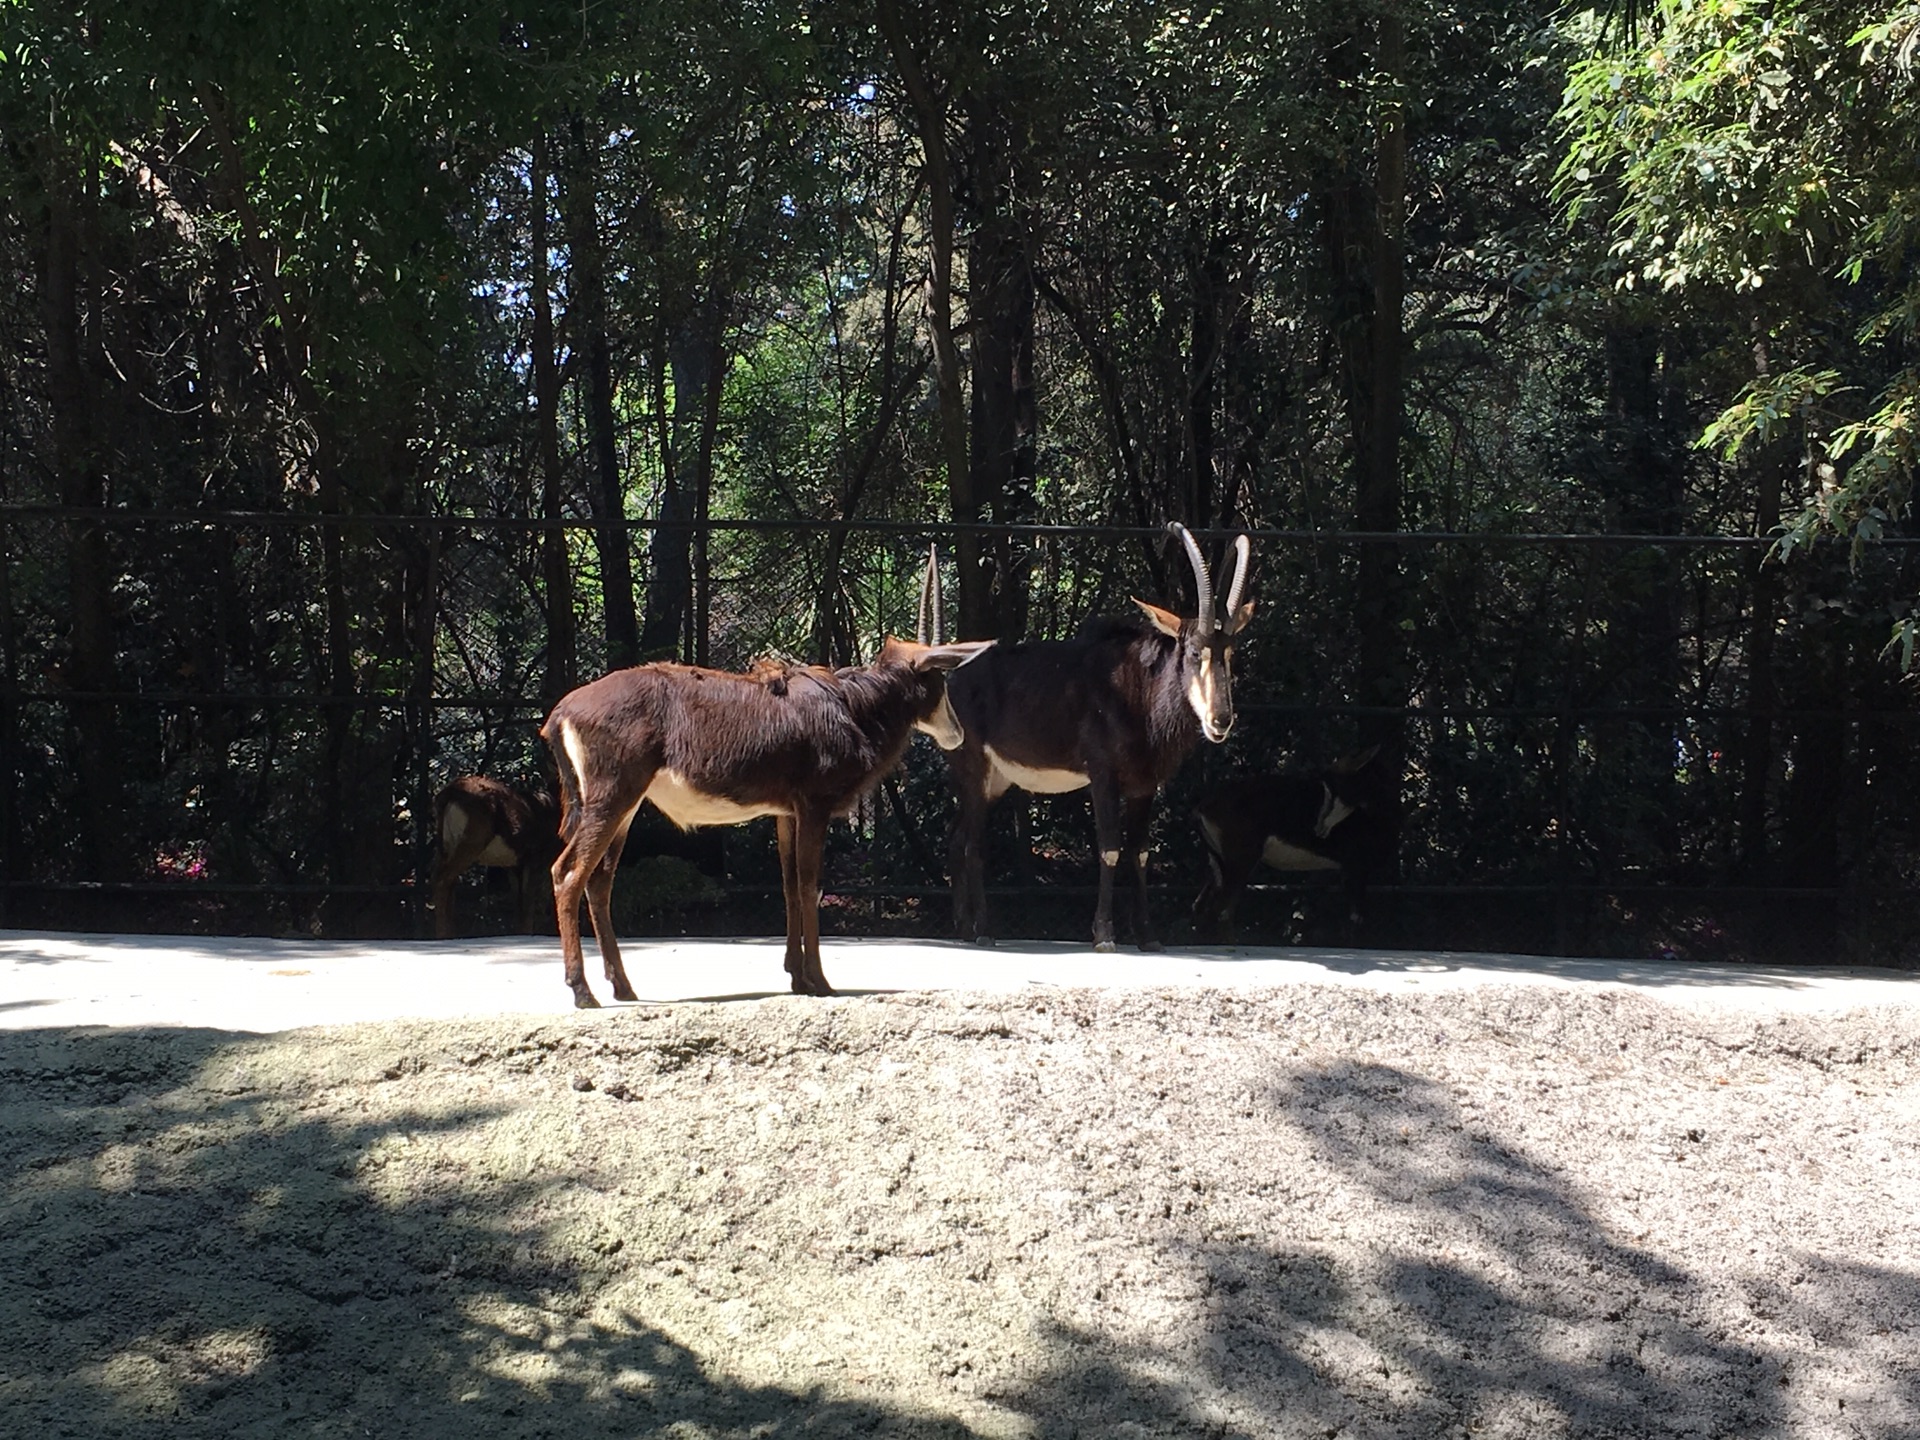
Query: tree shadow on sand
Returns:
{"type": "Point", "coordinates": [1501, 1306]}
{"type": "Point", "coordinates": [183, 1255]}
{"type": "Point", "coordinates": [182, 1264]}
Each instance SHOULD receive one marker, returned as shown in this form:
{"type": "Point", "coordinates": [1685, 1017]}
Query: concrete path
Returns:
{"type": "Point", "coordinates": [259, 985]}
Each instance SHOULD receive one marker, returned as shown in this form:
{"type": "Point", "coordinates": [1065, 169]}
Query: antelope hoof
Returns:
{"type": "Point", "coordinates": [583, 999]}
{"type": "Point", "coordinates": [1104, 947]}
{"type": "Point", "coordinates": [986, 940]}
{"type": "Point", "coordinates": [624, 992]}
{"type": "Point", "coordinates": [1152, 945]}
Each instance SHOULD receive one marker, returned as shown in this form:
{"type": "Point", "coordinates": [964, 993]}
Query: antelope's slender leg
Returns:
{"type": "Point", "coordinates": [1230, 862]}
{"type": "Point", "coordinates": [533, 888]}
{"type": "Point", "coordinates": [1107, 837]}
{"type": "Point", "coordinates": [592, 829]}
{"type": "Point", "coordinates": [570, 873]}
{"type": "Point", "coordinates": [810, 844]}
{"type": "Point", "coordinates": [600, 911]}
{"type": "Point", "coordinates": [447, 870]}
{"type": "Point", "coordinates": [783, 829]}
{"type": "Point", "coordinates": [966, 855]}
{"type": "Point", "coordinates": [1138, 815]}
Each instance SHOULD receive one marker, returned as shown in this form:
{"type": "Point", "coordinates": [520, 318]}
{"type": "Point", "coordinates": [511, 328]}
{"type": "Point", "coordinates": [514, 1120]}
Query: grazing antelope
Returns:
{"type": "Point", "coordinates": [482, 821]}
{"type": "Point", "coordinates": [1333, 819]}
{"type": "Point", "coordinates": [1115, 710]}
{"type": "Point", "coordinates": [707, 747]}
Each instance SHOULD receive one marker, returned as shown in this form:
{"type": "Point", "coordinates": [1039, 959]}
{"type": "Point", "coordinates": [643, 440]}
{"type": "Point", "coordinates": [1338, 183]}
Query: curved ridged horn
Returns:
{"type": "Point", "coordinates": [920, 622]}
{"type": "Point", "coordinates": [932, 627]}
{"type": "Point", "coordinates": [939, 607]}
{"type": "Point", "coordinates": [1201, 582]}
{"type": "Point", "coordinates": [1243, 556]}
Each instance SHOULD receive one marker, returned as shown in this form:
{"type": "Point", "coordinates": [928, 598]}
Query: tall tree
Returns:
{"type": "Point", "coordinates": [589, 317]}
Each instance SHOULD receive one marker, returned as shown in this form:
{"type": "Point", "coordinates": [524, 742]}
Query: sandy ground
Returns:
{"type": "Point", "coordinates": [1249, 1193]}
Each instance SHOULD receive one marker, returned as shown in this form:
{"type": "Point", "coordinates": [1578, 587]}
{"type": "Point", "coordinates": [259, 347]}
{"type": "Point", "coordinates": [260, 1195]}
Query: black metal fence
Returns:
{"type": "Point", "coordinates": [1613, 741]}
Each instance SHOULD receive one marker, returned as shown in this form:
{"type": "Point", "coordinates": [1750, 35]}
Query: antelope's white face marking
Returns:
{"type": "Point", "coordinates": [1282, 856]}
{"type": "Point", "coordinates": [1332, 811]}
{"type": "Point", "coordinates": [943, 725]}
{"type": "Point", "coordinates": [1210, 693]}
{"type": "Point", "coordinates": [1200, 691]}
{"type": "Point", "coordinates": [1034, 778]}
{"type": "Point", "coordinates": [688, 807]}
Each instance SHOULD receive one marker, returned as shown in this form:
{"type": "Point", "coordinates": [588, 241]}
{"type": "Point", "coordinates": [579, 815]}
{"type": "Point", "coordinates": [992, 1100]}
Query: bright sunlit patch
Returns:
{"type": "Point", "coordinates": [156, 1377]}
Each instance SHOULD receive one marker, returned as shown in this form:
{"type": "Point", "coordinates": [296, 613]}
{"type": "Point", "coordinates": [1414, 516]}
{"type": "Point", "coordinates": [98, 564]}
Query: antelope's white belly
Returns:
{"type": "Point", "coordinates": [498, 852]}
{"type": "Point", "coordinates": [1028, 777]}
{"type": "Point", "coordinates": [687, 807]}
{"type": "Point", "coordinates": [1282, 856]}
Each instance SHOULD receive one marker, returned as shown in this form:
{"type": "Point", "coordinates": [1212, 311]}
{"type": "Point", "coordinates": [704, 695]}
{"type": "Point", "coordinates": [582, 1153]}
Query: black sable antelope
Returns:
{"type": "Point", "coordinates": [1116, 709]}
{"type": "Point", "coordinates": [708, 747]}
{"type": "Point", "coordinates": [483, 821]}
{"type": "Point", "coordinates": [1333, 819]}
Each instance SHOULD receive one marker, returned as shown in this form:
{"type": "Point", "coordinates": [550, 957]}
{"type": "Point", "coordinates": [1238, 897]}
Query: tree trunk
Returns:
{"type": "Point", "coordinates": [1001, 314]}
{"type": "Point", "coordinates": [1003, 412]}
{"type": "Point", "coordinates": [833, 640]}
{"type": "Point", "coordinates": [1756, 747]}
{"type": "Point", "coordinates": [10, 839]}
{"type": "Point", "coordinates": [562, 668]}
{"type": "Point", "coordinates": [1203, 369]}
{"type": "Point", "coordinates": [1365, 239]}
{"type": "Point", "coordinates": [588, 318]}
{"type": "Point", "coordinates": [696, 353]}
{"type": "Point", "coordinates": [1639, 649]}
{"type": "Point", "coordinates": [976, 619]}
{"type": "Point", "coordinates": [1126, 452]}
{"type": "Point", "coordinates": [1811, 848]}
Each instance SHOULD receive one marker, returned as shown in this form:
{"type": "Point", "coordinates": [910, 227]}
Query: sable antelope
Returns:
{"type": "Point", "coordinates": [1116, 709]}
{"type": "Point", "coordinates": [708, 747]}
{"type": "Point", "coordinates": [1333, 819]}
{"type": "Point", "coordinates": [482, 821]}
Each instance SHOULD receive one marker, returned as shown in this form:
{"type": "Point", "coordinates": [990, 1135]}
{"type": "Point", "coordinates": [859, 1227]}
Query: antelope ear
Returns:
{"type": "Point", "coordinates": [1240, 618]}
{"type": "Point", "coordinates": [951, 657]}
{"type": "Point", "coordinates": [1165, 621]}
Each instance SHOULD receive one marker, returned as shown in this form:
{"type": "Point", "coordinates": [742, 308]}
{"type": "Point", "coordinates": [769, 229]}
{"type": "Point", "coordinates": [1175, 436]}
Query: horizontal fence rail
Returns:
{"type": "Point", "coordinates": [261, 700]}
{"type": "Point", "coordinates": [128, 517]}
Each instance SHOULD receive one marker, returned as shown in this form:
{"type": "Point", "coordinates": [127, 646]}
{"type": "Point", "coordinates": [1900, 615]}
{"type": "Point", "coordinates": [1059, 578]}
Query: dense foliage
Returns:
{"type": "Point", "coordinates": [376, 373]}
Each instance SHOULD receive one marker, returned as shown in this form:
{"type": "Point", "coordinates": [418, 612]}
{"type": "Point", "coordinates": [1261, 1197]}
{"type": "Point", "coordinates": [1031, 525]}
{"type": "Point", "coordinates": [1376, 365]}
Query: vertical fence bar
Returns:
{"type": "Point", "coordinates": [1565, 755]}
{"type": "Point", "coordinates": [10, 748]}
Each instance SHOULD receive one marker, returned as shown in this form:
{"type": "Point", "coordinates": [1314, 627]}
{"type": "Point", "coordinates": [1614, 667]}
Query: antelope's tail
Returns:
{"type": "Point", "coordinates": [568, 776]}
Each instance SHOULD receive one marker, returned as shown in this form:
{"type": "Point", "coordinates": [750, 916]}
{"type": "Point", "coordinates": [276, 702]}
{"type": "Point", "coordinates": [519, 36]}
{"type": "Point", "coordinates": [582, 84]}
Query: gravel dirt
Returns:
{"type": "Point", "coordinates": [1295, 1210]}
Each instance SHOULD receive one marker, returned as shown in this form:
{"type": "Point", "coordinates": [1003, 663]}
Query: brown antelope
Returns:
{"type": "Point", "coordinates": [1115, 710]}
{"type": "Point", "coordinates": [707, 747]}
{"type": "Point", "coordinates": [482, 821]}
{"type": "Point", "coordinates": [1333, 819]}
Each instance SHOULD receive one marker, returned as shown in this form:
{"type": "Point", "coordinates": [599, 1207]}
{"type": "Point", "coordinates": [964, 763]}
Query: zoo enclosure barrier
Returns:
{"type": "Point", "coordinates": [1557, 754]}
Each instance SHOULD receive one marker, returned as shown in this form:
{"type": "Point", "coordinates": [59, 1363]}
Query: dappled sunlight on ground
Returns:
{"type": "Point", "coordinates": [1300, 1211]}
